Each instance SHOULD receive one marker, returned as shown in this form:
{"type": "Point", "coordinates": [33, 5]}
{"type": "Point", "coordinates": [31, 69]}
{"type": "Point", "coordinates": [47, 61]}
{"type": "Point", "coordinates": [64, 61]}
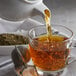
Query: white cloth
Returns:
{"type": "Point", "coordinates": [9, 26]}
{"type": "Point", "coordinates": [15, 27]}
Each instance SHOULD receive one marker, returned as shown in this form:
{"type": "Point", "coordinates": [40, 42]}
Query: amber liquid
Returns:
{"type": "Point", "coordinates": [49, 52]}
{"type": "Point", "coordinates": [49, 56]}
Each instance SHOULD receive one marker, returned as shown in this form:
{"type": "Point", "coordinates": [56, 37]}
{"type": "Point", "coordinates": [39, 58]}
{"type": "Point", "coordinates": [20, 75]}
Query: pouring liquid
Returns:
{"type": "Point", "coordinates": [47, 20]}
{"type": "Point", "coordinates": [50, 52]}
{"type": "Point", "coordinates": [50, 36]}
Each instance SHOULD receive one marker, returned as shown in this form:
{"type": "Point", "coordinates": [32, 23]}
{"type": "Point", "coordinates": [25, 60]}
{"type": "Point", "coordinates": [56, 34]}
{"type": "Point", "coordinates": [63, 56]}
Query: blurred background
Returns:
{"type": "Point", "coordinates": [63, 13]}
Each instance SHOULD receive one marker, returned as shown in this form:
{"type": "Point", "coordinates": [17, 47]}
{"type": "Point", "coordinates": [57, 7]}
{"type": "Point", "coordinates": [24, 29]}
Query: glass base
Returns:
{"type": "Point", "coordinates": [53, 74]}
{"type": "Point", "coordinates": [50, 73]}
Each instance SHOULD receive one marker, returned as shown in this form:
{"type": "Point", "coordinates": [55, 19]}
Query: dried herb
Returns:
{"type": "Point", "coordinates": [12, 39]}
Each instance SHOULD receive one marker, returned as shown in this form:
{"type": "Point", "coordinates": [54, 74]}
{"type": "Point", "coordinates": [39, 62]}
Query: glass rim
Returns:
{"type": "Point", "coordinates": [53, 25]}
{"type": "Point", "coordinates": [33, 1]}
